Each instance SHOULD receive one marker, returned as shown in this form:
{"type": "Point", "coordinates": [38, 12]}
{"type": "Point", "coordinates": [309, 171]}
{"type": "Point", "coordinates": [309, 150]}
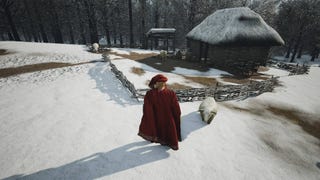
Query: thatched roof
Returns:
{"type": "Point", "coordinates": [235, 26]}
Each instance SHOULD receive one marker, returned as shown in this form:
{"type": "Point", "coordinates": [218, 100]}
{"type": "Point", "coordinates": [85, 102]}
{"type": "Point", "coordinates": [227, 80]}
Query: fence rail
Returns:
{"type": "Point", "coordinates": [220, 93]}
{"type": "Point", "coordinates": [223, 92]}
{"type": "Point", "coordinates": [294, 69]}
{"type": "Point", "coordinates": [122, 78]}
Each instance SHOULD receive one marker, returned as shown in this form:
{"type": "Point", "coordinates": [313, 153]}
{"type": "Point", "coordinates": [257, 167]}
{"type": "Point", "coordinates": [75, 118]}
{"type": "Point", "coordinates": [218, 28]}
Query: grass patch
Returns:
{"type": "Point", "coordinates": [4, 52]}
{"type": "Point", "coordinates": [138, 71]}
{"type": "Point", "coordinates": [310, 123]}
{"type": "Point", "coordinates": [174, 86]}
{"type": "Point", "coordinates": [206, 81]}
{"type": "Point", "coordinates": [177, 86]}
{"type": "Point", "coordinates": [263, 69]}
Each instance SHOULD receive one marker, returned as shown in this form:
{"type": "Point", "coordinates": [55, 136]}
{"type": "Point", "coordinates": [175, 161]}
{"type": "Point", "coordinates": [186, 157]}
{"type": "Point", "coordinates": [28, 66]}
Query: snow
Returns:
{"type": "Point", "coordinates": [82, 124]}
{"type": "Point", "coordinates": [305, 59]}
{"type": "Point", "coordinates": [276, 72]}
{"type": "Point", "coordinates": [127, 51]}
{"type": "Point", "coordinates": [211, 73]}
{"type": "Point", "coordinates": [161, 30]}
{"type": "Point", "coordinates": [33, 53]}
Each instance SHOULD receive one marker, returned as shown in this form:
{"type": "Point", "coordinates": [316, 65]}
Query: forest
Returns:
{"type": "Point", "coordinates": [124, 23]}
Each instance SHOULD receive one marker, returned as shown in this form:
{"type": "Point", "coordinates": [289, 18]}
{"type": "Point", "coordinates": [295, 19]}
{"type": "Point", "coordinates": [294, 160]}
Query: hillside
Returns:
{"type": "Point", "coordinates": [78, 122]}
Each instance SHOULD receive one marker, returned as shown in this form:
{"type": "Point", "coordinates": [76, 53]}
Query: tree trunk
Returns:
{"type": "Point", "coordinates": [55, 24]}
{"type": "Point", "coordinates": [315, 54]}
{"type": "Point", "coordinates": [92, 21]}
{"type": "Point", "coordinates": [81, 25]}
{"type": "Point", "coordinates": [2, 37]}
{"type": "Point", "coordinates": [108, 37]}
{"type": "Point", "coordinates": [31, 21]}
{"type": "Point", "coordinates": [130, 24]}
{"type": "Point", "coordinates": [26, 35]}
{"type": "Point", "coordinates": [106, 27]}
{"type": "Point", "coordinates": [69, 21]}
{"type": "Point", "coordinates": [289, 49]}
{"type": "Point", "coordinates": [12, 25]}
{"type": "Point", "coordinates": [10, 36]}
{"type": "Point", "coordinates": [121, 40]}
{"type": "Point", "coordinates": [143, 24]}
{"type": "Point", "coordinates": [40, 23]}
{"type": "Point", "coordinates": [114, 33]}
{"type": "Point", "coordinates": [71, 33]}
{"type": "Point", "coordinates": [156, 15]}
{"type": "Point", "coordinates": [300, 52]}
{"type": "Point", "coordinates": [295, 49]}
{"type": "Point", "coordinates": [192, 14]}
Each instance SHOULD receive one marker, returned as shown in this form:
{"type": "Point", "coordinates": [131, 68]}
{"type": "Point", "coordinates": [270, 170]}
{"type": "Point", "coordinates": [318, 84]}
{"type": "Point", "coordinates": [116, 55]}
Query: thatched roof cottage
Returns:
{"type": "Point", "coordinates": [236, 39]}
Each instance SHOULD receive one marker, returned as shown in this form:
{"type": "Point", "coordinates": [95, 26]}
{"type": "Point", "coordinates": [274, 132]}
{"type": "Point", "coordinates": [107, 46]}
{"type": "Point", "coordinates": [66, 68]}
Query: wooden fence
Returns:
{"type": "Point", "coordinates": [294, 69]}
{"type": "Point", "coordinates": [220, 93]}
{"type": "Point", "coordinates": [223, 92]}
{"type": "Point", "coordinates": [122, 78]}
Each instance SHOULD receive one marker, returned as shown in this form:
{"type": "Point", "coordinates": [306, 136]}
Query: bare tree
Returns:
{"type": "Point", "coordinates": [143, 11]}
{"type": "Point", "coordinates": [130, 23]}
{"type": "Point", "coordinates": [40, 21]}
{"type": "Point", "coordinates": [297, 23]}
{"type": "Point", "coordinates": [5, 5]}
{"type": "Point", "coordinates": [31, 20]}
{"type": "Point", "coordinates": [90, 9]}
{"type": "Point", "coordinates": [81, 20]}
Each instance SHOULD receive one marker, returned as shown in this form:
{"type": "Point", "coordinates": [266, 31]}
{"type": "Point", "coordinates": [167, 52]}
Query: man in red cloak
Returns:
{"type": "Point", "coordinates": [160, 122]}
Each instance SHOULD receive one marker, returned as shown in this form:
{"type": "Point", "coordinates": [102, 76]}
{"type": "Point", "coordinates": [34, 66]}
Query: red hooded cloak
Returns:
{"type": "Point", "coordinates": [160, 122]}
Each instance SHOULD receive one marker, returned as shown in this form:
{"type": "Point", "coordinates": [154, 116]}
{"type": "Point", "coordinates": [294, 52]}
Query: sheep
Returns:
{"type": "Point", "coordinates": [163, 55]}
{"type": "Point", "coordinates": [95, 47]}
{"type": "Point", "coordinates": [208, 109]}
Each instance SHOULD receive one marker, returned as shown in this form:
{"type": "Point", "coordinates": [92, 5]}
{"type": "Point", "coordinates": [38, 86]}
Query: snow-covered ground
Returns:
{"type": "Point", "coordinates": [79, 123]}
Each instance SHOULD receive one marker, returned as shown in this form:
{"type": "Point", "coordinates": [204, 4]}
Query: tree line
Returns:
{"type": "Point", "coordinates": [124, 23]}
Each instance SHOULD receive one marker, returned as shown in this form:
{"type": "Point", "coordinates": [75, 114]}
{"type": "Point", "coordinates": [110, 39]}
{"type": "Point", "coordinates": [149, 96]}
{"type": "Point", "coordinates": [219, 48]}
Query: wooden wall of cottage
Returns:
{"type": "Point", "coordinates": [229, 58]}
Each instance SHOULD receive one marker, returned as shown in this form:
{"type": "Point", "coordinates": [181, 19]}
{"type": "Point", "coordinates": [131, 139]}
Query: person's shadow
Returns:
{"type": "Point", "coordinates": [191, 122]}
{"type": "Point", "coordinates": [103, 164]}
{"type": "Point", "coordinates": [318, 165]}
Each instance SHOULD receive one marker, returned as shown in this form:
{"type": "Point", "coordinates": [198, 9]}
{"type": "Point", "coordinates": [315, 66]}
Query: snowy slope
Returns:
{"type": "Point", "coordinates": [82, 124]}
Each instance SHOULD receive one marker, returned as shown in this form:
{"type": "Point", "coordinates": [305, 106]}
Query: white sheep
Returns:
{"type": "Point", "coordinates": [163, 55]}
{"type": "Point", "coordinates": [208, 109]}
{"type": "Point", "coordinates": [95, 47]}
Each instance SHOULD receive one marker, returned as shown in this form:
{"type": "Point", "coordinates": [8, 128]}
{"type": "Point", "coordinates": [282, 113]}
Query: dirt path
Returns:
{"type": "Point", "coordinates": [6, 72]}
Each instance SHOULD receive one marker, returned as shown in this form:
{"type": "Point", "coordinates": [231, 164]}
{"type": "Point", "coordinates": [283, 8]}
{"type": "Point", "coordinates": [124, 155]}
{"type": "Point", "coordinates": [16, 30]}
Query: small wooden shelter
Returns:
{"type": "Point", "coordinates": [161, 39]}
{"type": "Point", "coordinates": [237, 40]}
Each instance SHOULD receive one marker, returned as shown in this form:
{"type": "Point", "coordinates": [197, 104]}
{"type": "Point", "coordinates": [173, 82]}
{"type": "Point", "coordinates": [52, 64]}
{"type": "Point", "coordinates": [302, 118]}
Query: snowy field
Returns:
{"type": "Point", "coordinates": [78, 122]}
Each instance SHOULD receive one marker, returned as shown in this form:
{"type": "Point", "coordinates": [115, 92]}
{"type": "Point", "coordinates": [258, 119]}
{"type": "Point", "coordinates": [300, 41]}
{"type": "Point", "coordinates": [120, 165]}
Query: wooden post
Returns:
{"type": "Point", "coordinates": [146, 42]}
{"type": "Point", "coordinates": [206, 52]}
{"type": "Point", "coordinates": [174, 43]}
{"type": "Point", "coordinates": [167, 43]}
{"type": "Point", "coordinates": [200, 50]}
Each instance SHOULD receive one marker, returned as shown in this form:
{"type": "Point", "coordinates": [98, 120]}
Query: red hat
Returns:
{"type": "Point", "coordinates": [157, 78]}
